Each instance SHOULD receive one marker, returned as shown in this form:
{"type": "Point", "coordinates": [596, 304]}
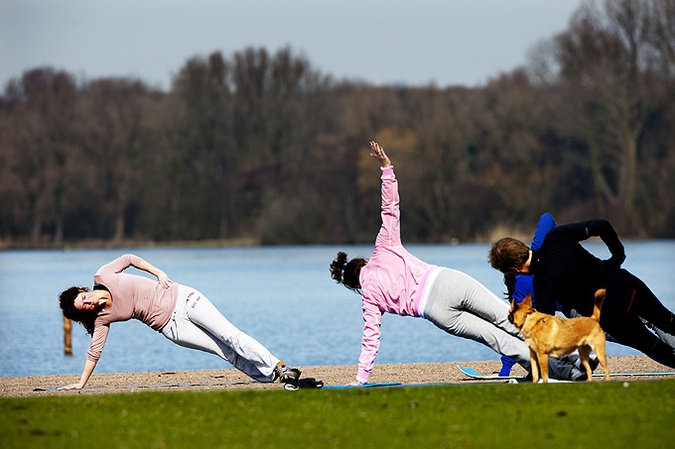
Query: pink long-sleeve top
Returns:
{"type": "Point", "coordinates": [392, 281]}
{"type": "Point", "coordinates": [136, 297]}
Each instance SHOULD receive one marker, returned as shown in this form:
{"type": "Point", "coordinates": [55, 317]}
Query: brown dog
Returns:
{"type": "Point", "coordinates": [548, 335]}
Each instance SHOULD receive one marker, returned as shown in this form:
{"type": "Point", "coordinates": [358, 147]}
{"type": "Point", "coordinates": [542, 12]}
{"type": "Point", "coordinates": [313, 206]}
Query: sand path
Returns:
{"type": "Point", "coordinates": [231, 379]}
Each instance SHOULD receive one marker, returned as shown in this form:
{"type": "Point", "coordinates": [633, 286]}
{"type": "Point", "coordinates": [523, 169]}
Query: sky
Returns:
{"type": "Point", "coordinates": [381, 42]}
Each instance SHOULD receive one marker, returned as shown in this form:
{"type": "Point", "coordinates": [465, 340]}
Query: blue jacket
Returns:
{"type": "Point", "coordinates": [524, 282]}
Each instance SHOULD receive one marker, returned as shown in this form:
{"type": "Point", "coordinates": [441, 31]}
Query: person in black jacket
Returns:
{"type": "Point", "coordinates": [567, 274]}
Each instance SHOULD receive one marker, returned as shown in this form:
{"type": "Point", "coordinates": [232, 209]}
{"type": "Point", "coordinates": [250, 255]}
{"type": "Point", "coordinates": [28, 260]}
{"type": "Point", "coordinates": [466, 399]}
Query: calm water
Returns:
{"type": "Point", "coordinates": [283, 296]}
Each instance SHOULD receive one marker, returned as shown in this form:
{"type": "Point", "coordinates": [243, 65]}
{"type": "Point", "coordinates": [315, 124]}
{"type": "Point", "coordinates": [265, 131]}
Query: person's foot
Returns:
{"type": "Point", "coordinates": [507, 364]}
{"type": "Point", "coordinates": [578, 373]}
{"type": "Point", "coordinates": [593, 361]}
{"type": "Point", "coordinates": [285, 373]}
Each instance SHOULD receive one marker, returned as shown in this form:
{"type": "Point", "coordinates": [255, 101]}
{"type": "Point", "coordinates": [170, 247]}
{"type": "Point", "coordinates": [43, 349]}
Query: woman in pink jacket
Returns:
{"type": "Point", "coordinates": [181, 313]}
{"type": "Point", "coordinates": [395, 281]}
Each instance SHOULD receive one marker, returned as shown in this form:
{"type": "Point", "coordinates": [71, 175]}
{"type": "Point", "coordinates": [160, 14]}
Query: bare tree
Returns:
{"type": "Point", "coordinates": [114, 144]}
{"type": "Point", "coordinates": [206, 138]}
{"type": "Point", "coordinates": [660, 28]}
{"type": "Point", "coordinates": [602, 59]}
{"type": "Point", "coordinates": [41, 148]}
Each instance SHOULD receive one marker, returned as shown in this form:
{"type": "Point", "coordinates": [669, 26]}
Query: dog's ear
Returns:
{"type": "Point", "coordinates": [527, 301]}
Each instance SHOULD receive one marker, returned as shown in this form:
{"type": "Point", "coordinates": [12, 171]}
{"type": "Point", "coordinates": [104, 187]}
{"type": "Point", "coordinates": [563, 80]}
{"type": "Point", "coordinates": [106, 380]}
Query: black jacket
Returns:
{"type": "Point", "coordinates": [564, 271]}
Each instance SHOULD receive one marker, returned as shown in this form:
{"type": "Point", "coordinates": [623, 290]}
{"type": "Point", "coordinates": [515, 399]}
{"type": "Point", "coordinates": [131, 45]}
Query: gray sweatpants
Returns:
{"type": "Point", "coordinates": [462, 306]}
{"type": "Point", "coordinates": [196, 323]}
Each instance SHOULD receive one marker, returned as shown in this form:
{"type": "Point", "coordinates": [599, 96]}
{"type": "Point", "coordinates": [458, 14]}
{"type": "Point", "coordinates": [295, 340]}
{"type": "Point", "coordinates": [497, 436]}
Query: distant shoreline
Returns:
{"type": "Point", "coordinates": [105, 244]}
{"type": "Point", "coordinates": [250, 242]}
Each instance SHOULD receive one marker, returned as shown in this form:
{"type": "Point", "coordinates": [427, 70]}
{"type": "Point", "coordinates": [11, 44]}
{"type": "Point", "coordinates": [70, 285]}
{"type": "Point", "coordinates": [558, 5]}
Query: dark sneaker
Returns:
{"type": "Point", "coordinates": [308, 382]}
{"type": "Point", "coordinates": [578, 373]}
{"type": "Point", "coordinates": [593, 361]}
{"type": "Point", "coordinates": [285, 373]}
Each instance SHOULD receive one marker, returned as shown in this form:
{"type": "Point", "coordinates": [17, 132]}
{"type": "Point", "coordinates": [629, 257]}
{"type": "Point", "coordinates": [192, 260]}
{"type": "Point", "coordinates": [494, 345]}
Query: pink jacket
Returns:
{"type": "Point", "coordinates": [133, 297]}
{"type": "Point", "coordinates": [393, 280]}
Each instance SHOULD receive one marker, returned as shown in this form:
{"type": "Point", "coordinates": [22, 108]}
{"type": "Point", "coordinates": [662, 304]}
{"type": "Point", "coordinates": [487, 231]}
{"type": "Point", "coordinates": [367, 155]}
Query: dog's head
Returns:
{"type": "Point", "coordinates": [519, 312]}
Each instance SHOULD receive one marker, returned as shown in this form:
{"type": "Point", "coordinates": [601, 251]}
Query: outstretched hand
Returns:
{"type": "Point", "coordinates": [378, 153]}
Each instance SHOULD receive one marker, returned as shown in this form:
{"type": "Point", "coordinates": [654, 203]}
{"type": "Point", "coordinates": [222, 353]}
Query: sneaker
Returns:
{"type": "Point", "coordinates": [592, 361]}
{"type": "Point", "coordinates": [578, 375]}
{"type": "Point", "coordinates": [285, 373]}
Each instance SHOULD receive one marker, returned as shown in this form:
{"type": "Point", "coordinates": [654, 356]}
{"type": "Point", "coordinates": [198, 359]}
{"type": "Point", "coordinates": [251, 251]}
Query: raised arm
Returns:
{"type": "Point", "coordinates": [603, 229]}
{"type": "Point", "coordinates": [161, 276]}
{"type": "Point", "coordinates": [597, 228]}
{"type": "Point", "coordinates": [123, 262]}
{"type": "Point", "coordinates": [390, 231]}
{"type": "Point", "coordinates": [545, 224]}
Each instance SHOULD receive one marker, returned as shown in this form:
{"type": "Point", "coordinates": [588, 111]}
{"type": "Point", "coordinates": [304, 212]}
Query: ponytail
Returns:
{"type": "Point", "coordinates": [347, 273]}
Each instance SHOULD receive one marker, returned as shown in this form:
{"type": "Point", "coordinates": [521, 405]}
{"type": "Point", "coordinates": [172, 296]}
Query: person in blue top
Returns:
{"type": "Point", "coordinates": [518, 286]}
{"type": "Point", "coordinates": [567, 274]}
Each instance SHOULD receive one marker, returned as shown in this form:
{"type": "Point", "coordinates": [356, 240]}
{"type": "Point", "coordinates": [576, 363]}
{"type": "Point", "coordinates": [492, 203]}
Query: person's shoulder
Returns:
{"type": "Point", "coordinates": [523, 286]}
{"type": "Point", "coordinates": [523, 280]}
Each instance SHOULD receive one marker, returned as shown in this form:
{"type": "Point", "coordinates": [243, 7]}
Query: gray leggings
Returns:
{"type": "Point", "coordinates": [462, 306]}
{"type": "Point", "coordinates": [197, 324]}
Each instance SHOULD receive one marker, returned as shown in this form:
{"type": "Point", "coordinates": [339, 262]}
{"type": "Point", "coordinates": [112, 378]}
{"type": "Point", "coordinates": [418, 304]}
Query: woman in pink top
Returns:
{"type": "Point", "coordinates": [181, 313]}
{"type": "Point", "coordinates": [395, 281]}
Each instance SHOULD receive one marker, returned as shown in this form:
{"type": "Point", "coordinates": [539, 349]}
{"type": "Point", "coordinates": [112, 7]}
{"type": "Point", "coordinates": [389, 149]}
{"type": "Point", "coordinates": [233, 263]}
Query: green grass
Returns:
{"type": "Point", "coordinates": [590, 415]}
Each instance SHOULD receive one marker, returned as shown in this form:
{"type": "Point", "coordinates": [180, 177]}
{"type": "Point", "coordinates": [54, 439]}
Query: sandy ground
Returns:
{"type": "Point", "coordinates": [231, 379]}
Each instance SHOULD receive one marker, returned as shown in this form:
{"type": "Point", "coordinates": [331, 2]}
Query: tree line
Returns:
{"type": "Point", "coordinates": [262, 147]}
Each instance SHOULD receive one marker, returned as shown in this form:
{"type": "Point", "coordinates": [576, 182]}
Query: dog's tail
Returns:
{"type": "Point", "coordinates": [599, 300]}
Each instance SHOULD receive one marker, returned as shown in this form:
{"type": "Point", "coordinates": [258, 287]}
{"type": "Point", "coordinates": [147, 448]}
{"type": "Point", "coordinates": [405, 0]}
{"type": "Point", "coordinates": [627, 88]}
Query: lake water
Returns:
{"type": "Point", "coordinates": [282, 296]}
